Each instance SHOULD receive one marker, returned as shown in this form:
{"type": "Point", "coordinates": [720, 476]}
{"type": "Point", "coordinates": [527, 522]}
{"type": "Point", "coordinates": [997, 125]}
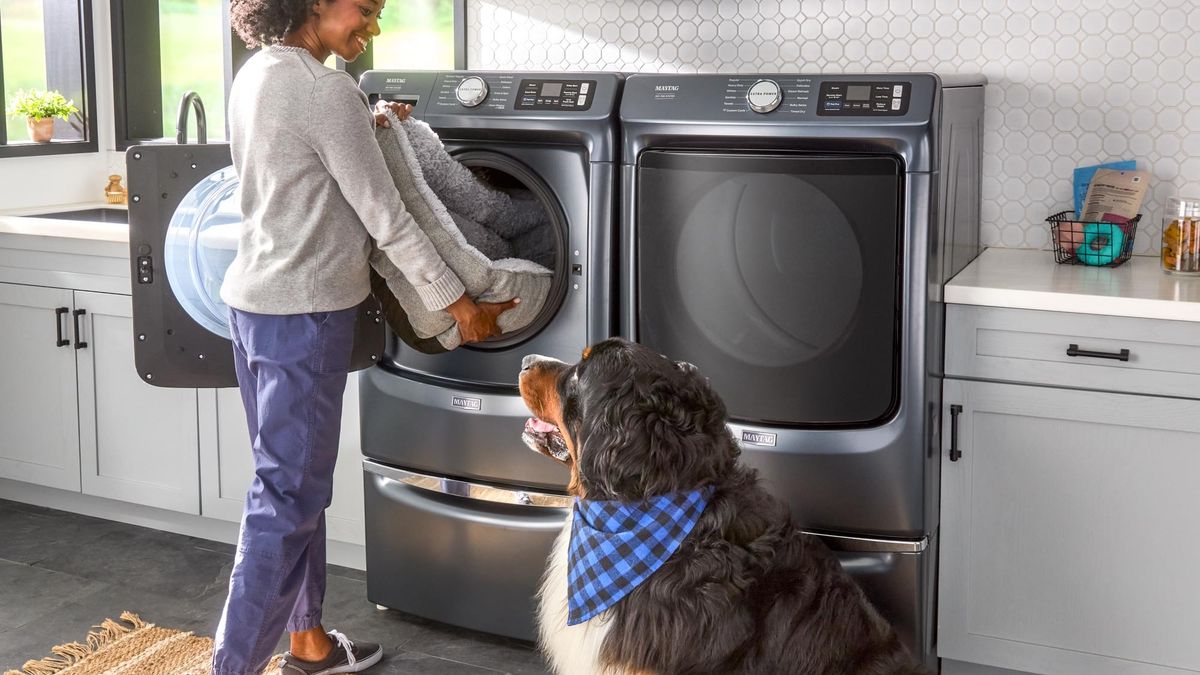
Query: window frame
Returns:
{"type": "Point", "coordinates": [143, 14]}
{"type": "Point", "coordinates": [85, 61]}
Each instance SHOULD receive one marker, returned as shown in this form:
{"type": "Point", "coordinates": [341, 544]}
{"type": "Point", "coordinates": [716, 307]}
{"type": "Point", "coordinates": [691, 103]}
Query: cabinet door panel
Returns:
{"type": "Point", "coordinates": [1066, 544]}
{"type": "Point", "coordinates": [139, 443]}
{"type": "Point", "coordinates": [228, 464]}
{"type": "Point", "coordinates": [39, 414]}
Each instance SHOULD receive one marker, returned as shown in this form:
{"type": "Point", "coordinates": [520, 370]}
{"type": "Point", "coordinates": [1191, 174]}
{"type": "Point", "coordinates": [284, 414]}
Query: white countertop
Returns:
{"type": "Point", "coordinates": [17, 221]}
{"type": "Point", "coordinates": [1025, 279]}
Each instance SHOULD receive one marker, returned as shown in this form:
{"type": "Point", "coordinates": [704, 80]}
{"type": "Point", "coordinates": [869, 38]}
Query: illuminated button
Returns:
{"type": "Point", "coordinates": [895, 104]}
{"type": "Point", "coordinates": [833, 105]}
{"type": "Point", "coordinates": [898, 90]}
{"type": "Point", "coordinates": [583, 88]}
{"type": "Point", "coordinates": [582, 100]}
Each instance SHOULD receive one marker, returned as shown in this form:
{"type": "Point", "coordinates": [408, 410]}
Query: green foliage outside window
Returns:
{"type": "Point", "coordinates": [191, 43]}
{"type": "Point", "coordinates": [416, 34]}
{"type": "Point", "coordinates": [24, 56]}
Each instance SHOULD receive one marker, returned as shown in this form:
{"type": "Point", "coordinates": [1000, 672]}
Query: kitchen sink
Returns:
{"type": "Point", "coordinates": [99, 215]}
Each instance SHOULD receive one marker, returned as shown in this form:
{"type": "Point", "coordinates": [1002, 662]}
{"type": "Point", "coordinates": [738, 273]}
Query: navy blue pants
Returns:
{"type": "Point", "coordinates": [291, 371]}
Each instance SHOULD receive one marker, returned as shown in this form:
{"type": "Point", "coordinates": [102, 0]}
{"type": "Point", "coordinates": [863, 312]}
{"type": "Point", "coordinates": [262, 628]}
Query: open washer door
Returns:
{"type": "Point", "coordinates": [184, 225]}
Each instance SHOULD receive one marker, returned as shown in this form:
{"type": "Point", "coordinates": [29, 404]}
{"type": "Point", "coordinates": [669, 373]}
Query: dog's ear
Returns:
{"type": "Point", "coordinates": [653, 432]}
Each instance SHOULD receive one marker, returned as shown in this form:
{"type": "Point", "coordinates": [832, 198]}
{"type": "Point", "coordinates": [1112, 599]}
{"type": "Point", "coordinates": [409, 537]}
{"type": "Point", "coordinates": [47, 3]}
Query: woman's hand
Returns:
{"type": "Point", "coordinates": [402, 110]}
{"type": "Point", "coordinates": [477, 321]}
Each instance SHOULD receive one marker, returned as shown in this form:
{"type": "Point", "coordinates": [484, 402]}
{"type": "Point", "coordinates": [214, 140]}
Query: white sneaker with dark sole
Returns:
{"type": "Point", "coordinates": [346, 657]}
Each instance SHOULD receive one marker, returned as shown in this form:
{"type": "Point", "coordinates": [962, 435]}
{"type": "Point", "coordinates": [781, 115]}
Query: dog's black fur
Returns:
{"type": "Point", "coordinates": [746, 592]}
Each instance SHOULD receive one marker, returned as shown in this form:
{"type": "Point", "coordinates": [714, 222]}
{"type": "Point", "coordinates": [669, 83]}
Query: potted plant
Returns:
{"type": "Point", "coordinates": [39, 108]}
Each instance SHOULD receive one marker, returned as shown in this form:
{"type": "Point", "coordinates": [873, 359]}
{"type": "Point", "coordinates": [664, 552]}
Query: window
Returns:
{"type": "Point", "coordinates": [163, 49]}
{"type": "Point", "coordinates": [47, 45]}
{"type": "Point", "coordinates": [416, 34]}
{"type": "Point", "coordinates": [170, 47]}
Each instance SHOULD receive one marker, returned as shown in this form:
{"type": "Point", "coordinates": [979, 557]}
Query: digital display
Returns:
{"type": "Point", "coordinates": [858, 92]}
{"type": "Point", "coordinates": [555, 95]}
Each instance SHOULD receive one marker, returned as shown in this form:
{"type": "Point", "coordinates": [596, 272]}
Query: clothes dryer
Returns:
{"type": "Point", "coordinates": [790, 235]}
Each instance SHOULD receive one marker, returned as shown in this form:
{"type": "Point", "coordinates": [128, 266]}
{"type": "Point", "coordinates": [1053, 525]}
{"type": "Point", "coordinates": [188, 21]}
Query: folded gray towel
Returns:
{"type": "Point", "coordinates": [485, 280]}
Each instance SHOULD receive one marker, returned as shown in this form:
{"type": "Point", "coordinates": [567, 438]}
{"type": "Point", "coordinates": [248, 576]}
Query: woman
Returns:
{"type": "Point", "coordinates": [315, 193]}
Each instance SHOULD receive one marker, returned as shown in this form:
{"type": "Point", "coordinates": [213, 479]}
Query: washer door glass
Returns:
{"type": "Point", "coordinates": [201, 242]}
{"type": "Point", "coordinates": [776, 275]}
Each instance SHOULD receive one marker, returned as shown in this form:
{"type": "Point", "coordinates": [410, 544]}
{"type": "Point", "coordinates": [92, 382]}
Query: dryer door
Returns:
{"type": "Point", "coordinates": [184, 224]}
{"type": "Point", "coordinates": [778, 275]}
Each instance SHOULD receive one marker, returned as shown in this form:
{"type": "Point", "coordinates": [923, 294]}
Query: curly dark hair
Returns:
{"type": "Point", "coordinates": [266, 22]}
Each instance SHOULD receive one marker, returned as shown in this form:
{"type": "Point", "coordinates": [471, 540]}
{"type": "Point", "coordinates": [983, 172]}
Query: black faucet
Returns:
{"type": "Point", "coordinates": [201, 122]}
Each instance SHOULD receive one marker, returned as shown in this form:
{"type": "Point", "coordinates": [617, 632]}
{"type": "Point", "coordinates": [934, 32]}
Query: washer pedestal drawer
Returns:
{"type": "Point", "coordinates": [461, 553]}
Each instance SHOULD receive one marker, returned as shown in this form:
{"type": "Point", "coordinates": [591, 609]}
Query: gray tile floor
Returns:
{"type": "Point", "coordinates": [60, 573]}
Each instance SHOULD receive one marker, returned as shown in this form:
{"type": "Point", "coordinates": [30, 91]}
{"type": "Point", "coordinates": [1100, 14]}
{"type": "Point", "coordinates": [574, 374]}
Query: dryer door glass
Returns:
{"type": "Point", "coordinates": [778, 276]}
{"type": "Point", "coordinates": [201, 242]}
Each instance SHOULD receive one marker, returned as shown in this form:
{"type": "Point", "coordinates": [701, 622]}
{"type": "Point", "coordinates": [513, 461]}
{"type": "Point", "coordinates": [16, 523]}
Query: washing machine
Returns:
{"type": "Point", "coordinates": [461, 515]}
{"type": "Point", "coordinates": [790, 235]}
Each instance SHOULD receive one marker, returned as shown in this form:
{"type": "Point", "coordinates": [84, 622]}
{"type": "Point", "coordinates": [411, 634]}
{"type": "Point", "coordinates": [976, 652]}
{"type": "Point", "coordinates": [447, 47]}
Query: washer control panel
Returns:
{"type": "Point", "coordinates": [874, 99]}
{"type": "Point", "coordinates": [547, 94]}
{"type": "Point", "coordinates": [780, 94]}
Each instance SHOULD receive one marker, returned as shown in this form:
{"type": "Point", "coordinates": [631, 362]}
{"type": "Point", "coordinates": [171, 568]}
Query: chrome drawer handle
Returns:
{"type": "Point", "coordinates": [1122, 355]}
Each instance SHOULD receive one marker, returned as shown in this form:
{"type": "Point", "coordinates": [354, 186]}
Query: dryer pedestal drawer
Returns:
{"type": "Point", "coordinates": [1087, 351]}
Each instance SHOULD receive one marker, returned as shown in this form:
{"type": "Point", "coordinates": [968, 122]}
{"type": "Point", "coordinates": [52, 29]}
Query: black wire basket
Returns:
{"type": "Point", "coordinates": [1083, 242]}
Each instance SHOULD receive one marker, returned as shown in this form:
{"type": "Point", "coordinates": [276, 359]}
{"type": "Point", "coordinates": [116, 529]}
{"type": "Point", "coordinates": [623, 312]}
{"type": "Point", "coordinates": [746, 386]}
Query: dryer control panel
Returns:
{"type": "Point", "coordinates": [783, 98]}
{"type": "Point", "coordinates": [885, 99]}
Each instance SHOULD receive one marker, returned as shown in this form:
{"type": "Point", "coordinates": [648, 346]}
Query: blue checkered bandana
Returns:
{"type": "Point", "coordinates": [616, 545]}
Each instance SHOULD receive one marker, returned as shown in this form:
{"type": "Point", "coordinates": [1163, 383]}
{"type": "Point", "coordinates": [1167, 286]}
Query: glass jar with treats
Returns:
{"type": "Point", "coordinates": [1181, 236]}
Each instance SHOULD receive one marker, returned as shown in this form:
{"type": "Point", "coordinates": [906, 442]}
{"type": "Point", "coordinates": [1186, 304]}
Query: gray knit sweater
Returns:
{"type": "Point", "coordinates": [315, 191]}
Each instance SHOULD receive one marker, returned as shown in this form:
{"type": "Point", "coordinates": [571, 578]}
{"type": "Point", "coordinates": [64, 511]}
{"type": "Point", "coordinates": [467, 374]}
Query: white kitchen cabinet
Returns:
{"type": "Point", "coordinates": [1068, 526]}
{"type": "Point", "coordinates": [138, 443]}
{"type": "Point", "coordinates": [75, 414]}
{"type": "Point", "coordinates": [228, 467]}
{"type": "Point", "coordinates": [80, 431]}
{"type": "Point", "coordinates": [39, 415]}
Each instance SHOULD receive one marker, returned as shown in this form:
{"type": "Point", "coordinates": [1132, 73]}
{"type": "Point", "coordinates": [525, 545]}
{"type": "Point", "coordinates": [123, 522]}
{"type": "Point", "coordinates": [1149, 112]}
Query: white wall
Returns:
{"type": "Point", "coordinates": [66, 179]}
{"type": "Point", "coordinates": [1071, 82]}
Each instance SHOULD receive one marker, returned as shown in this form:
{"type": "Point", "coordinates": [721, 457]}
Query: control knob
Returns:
{"type": "Point", "coordinates": [471, 91]}
{"type": "Point", "coordinates": [764, 96]}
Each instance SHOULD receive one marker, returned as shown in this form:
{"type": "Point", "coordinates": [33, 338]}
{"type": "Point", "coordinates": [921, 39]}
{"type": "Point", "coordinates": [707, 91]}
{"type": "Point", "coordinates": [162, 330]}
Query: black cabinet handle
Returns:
{"type": "Point", "coordinates": [1122, 355]}
{"type": "Point", "coordinates": [58, 323]}
{"type": "Point", "coordinates": [955, 411]}
{"type": "Point", "coordinates": [79, 343]}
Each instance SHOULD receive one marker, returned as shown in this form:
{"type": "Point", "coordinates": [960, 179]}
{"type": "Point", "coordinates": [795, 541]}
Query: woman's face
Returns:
{"type": "Point", "coordinates": [344, 27]}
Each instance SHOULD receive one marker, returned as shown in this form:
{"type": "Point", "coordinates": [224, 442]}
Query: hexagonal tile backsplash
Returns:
{"type": "Point", "coordinates": [1070, 83]}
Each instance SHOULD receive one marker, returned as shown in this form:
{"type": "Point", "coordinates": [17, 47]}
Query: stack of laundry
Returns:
{"type": "Point", "coordinates": [499, 245]}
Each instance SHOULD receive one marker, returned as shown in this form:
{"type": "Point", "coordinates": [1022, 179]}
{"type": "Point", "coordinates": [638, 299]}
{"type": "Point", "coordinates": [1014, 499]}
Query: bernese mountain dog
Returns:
{"type": "Point", "coordinates": [742, 591]}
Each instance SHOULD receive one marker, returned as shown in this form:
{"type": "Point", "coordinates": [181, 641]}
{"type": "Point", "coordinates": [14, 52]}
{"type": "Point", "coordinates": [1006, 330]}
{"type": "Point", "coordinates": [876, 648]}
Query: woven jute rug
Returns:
{"type": "Point", "coordinates": [130, 646]}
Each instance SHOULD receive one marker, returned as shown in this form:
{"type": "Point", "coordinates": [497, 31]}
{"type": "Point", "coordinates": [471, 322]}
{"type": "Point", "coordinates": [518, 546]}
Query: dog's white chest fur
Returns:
{"type": "Point", "coordinates": [572, 650]}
